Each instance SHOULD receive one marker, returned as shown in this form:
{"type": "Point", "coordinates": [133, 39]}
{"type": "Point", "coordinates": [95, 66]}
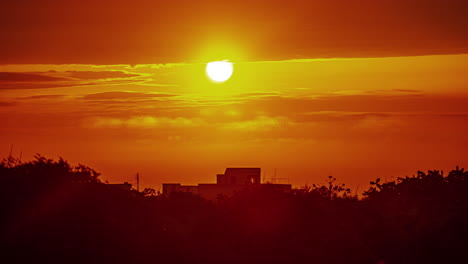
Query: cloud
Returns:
{"type": "Point", "coordinates": [407, 90]}
{"type": "Point", "coordinates": [40, 85]}
{"type": "Point", "coordinates": [414, 92]}
{"type": "Point", "coordinates": [258, 94]}
{"type": "Point", "coordinates": [56, 79]}
{"type": "Point", "coordinates": [375, 103]}
{"type": "Point", "coordinates": [15, 77]}
{"type": "Point", "coordinates": [96, 75]}
{"type": "Point", "coordinates": [39, 97]}
{"type": "Point", "coordinates": [339, 116]}
{"type": "Point", "coordinates": [142, 122]}
{"type": "Point", "coordinates": [117, 95]}
{"type": "Point", "coordinates": [259, 123]}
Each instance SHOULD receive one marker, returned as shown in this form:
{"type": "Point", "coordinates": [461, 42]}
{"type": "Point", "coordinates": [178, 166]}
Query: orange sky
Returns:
{"type": "Point", "coordinates": [149, 31]}
{"type": "Point", "coordinates": [319, 87]}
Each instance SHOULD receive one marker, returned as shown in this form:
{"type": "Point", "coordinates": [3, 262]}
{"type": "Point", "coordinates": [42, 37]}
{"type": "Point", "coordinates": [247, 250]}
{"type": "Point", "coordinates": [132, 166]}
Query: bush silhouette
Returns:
{"type": "Point", "coordinates": [53, 212]}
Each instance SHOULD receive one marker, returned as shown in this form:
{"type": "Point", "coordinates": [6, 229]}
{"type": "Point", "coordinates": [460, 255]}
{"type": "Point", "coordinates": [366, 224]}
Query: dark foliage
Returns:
{"type": "Point", "coordinates": [53, 212]}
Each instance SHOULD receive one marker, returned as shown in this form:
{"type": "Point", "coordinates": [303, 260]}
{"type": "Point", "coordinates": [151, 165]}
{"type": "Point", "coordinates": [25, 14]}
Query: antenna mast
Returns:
{"type": "Point", "coordinates": [138, 181]}
{"type": "Point", "coordinates": [277, 180]}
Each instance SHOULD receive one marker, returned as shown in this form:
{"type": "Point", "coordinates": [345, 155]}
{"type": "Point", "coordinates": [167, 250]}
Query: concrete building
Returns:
{"type": "Point", "coordinates": [233, 180]}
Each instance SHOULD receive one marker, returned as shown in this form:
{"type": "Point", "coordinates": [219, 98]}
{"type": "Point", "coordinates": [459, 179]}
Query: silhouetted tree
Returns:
{"type": "Point", "coordinates": [149, 192]}
{"type": "Point", "coordinates": [53, 212]}
{"type": "Point", "coordinates": [330, 190]}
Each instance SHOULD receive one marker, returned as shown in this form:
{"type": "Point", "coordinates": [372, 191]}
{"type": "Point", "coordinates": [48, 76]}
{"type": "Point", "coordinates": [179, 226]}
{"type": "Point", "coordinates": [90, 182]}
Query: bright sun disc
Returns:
{"type": "Point", "coordinates": [219, 71]}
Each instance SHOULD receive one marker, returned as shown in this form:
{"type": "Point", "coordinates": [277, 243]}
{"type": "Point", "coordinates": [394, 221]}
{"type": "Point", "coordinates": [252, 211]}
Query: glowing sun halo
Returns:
{"type": "Point", "coordinates": [219, 71]}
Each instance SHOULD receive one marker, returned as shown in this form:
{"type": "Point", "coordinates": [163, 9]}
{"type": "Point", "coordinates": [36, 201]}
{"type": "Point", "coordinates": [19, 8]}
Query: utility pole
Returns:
{"type": "Point", "coordinates": [138, 182]}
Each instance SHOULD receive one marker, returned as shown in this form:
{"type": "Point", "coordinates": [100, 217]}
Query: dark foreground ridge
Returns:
{"type": "Point", "coordinates": [53, 212]}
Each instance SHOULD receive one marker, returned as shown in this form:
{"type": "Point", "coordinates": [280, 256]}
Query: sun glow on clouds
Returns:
{"type": "Point", "coordinates": [142, 122]}
{"type": "Point", "coordinates": [260, 123]}
{"type": "Point", "coordinates": [357, 103]}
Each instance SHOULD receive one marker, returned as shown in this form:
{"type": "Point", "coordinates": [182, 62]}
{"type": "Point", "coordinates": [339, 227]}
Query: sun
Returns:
{"type": "Point", "coordinates": [219, 71]}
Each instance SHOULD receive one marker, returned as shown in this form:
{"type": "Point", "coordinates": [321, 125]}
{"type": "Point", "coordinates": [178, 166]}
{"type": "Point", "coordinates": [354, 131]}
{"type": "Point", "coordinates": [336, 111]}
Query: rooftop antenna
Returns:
{"type": "Point", "coordinates": [278, 180]}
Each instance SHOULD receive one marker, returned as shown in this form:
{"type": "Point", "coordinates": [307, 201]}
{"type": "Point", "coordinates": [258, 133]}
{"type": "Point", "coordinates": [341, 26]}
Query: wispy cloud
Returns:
{"type": "Point", "coordinates": [120, 95]}
{"type": "Point", "coordinates": [259, 123]}
{"type": "Point", "coordinates": [56, 79]}
{"type": "Point", "coordinates": [42, 97]}
{"type": "Point", "coordinates": [142, 122]}
{"type": "Point", "coordinates": [6, 77]}
{"type": "Point", "coordinates": [96, 75]}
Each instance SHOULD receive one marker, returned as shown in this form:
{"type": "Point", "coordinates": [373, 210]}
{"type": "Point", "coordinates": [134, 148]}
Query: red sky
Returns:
{"type": "Point", "coordinates": [355, 90]}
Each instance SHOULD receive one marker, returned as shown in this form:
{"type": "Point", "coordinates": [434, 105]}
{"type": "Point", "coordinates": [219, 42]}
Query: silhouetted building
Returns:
{"type": "Point", "coordinates": [233, 180]}
{"type": "Point", "coordinates": [243, 176]}
{"type": "Point", "coordinates": [123, 186]}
